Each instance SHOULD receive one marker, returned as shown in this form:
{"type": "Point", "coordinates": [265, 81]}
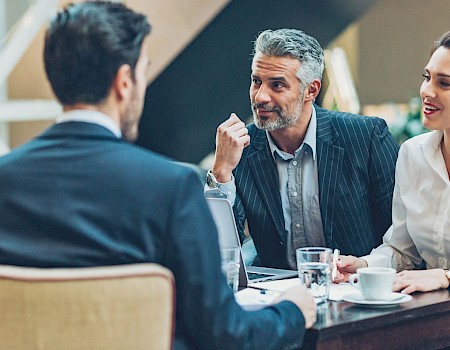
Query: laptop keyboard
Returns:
{"type": "Point", "coordinates": [254, 275]}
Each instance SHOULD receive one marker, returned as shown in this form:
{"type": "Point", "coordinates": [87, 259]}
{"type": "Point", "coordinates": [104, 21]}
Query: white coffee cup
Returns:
{"type": "Point", "coordinates": [374, 283]}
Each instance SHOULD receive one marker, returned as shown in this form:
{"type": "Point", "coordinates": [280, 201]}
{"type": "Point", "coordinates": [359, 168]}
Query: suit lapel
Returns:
{"type": "Point", "coordinates": [330, 159]}
{"type": "Point", "coordinates": [263, 169]}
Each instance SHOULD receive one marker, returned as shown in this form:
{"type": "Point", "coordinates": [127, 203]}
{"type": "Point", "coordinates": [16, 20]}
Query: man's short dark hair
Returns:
{"type": "Point", "coordinates": [86, 44]}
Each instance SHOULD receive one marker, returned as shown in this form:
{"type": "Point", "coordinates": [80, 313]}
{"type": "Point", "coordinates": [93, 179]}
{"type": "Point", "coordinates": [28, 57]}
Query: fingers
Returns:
{"type": "Point", "coordinates": [406, 282]}
{"type": "Point", "coordinates": [233, 116]}
{"type": "Point", "coordinates": [239, 130]}
{"type": "Point", "coordinates": [405, 287]}
{"type": "Point", "coordinates": [246, 140]}
{"type": "Point", "coordinates": [348, 264]}
{"type": "Point", "coordinates": [340, 277]}
{"type": "Point", "coordinates": [232, 120]}
{"type": "Point", "coordinates": [238, 127]}
{"type": "Point", "coordinates": [233, 131]}
{"type": "Point", "coordinates": [399, 286]}
{"type": "Point", "coordinates": [231, 139]}
{"type": "Point", "coordinates": [345, 260]}
{"type": "Point", "coordinates": [311, 319]}
{"type": "Point", "coordinates": [310, 311]}
{"type": "Point", "coordinates": [300, 296]}
{"type": "Point", "coordinates": [409, 290]}
{"type": "Point", "coordinates": [419, 281]}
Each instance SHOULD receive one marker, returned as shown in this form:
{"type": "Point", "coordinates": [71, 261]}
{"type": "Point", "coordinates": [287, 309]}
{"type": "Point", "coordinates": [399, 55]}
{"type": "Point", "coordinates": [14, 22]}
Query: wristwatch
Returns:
{"type": "Point", "coordinates": [211, 180]}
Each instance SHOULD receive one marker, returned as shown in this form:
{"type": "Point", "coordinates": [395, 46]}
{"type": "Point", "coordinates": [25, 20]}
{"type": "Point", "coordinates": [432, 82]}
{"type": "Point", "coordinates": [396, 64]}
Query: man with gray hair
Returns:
{"type": "Point", "coordinates": [302, 175]}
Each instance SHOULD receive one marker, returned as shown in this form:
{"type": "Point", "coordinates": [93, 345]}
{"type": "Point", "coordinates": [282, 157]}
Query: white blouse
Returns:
{"type": "Point", "coordinates": [420, 229]}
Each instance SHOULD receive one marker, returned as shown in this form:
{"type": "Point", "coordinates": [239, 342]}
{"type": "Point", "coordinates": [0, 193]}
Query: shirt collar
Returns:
{"type": "Point", "coordinates": [310, 138]}
{"type": "Point", "coordinates": [93, 117]}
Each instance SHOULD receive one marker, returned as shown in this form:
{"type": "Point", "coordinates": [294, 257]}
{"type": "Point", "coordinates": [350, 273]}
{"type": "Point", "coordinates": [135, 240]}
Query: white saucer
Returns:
{"type": "Point", "coordinates": [396, 298]}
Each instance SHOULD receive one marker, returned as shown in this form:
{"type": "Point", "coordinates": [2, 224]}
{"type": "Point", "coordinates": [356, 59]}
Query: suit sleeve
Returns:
{"type": "Point", "coordinates": [239, 215]}
{"type": "Point", "coordinates": [206, 311]}
{"type": "Point", "coordinates": [383, 157]}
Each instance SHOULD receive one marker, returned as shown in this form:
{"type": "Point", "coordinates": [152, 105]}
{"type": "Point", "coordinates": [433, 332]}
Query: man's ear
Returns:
{"type": "Point", "coordinates": [312, 90]}
{"type": "Point", "coordinates": [123, 82]}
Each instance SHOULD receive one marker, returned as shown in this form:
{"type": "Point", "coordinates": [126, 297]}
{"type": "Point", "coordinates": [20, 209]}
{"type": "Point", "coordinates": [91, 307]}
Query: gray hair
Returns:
{"type": "Point", "coordinates": [297, 44]}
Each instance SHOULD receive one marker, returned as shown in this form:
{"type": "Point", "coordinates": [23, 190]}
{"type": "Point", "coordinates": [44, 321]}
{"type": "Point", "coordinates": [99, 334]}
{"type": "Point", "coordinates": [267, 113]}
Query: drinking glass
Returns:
{"type": "Point", "coordinates": [314, 271]}
{"type": "Point", "coordinates": [230, 266]}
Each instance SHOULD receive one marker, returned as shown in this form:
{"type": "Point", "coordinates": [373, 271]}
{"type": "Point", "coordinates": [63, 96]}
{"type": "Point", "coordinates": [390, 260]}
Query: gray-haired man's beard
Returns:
{"type": "Point", "coordinates": [283, 120]}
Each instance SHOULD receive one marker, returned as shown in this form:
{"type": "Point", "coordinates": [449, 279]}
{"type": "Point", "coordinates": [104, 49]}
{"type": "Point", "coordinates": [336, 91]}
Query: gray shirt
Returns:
{"type": "Point", "coordinates": [299, 190]}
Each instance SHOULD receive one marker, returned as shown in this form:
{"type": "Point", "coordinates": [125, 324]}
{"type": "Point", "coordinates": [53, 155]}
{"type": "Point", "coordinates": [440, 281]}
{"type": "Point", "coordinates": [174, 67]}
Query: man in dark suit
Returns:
{"type": "Point", "coordinates": [309, 176]}
{"type": "Point", "coordinates": [81, 195]}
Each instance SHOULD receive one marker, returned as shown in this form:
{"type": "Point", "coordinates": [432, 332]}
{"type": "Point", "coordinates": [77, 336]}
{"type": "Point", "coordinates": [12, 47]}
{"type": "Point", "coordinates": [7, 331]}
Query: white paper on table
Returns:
{"type": "Point", "coordinates": [255, 299]}
{"type": "Point", "coordinates": [337, 291]}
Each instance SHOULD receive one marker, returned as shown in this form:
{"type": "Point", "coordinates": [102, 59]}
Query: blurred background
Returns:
{"type": "Point", "coordinates": [201, 54]}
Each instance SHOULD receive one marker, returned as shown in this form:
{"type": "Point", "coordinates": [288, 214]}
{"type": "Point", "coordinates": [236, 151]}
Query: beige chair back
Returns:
{"type": "Point", "coordinates": [113, 307]}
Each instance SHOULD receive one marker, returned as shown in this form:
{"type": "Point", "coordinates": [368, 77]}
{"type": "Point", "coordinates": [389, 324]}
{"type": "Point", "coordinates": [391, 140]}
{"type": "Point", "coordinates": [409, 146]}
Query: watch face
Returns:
{"type": "Point", "coordinates": [211, 180]}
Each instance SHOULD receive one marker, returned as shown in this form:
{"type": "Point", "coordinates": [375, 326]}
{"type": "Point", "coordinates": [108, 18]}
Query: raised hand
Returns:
{"type": "Point", "coordinates": [231, 139]}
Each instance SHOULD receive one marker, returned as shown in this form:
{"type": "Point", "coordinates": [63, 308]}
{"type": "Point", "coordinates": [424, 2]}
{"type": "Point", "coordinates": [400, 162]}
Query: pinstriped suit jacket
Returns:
{"type": "Point", "coordinates": [356, 167]}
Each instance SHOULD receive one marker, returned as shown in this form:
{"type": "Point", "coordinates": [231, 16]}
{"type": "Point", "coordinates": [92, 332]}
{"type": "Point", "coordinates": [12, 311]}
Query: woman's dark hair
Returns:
{"type": "Point", "coordinates": [85, 45]}
{"type": "Point", "coordinates": [444, 41]}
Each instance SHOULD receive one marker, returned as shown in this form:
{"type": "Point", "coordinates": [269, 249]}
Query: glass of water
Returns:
{"type": "Point", "coordinates": [230, 266]}
{"type": "Point", "coordinates": [314, 271]}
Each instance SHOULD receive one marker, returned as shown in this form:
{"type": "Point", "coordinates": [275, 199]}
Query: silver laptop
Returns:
{"type": "Point", "coordinates": [223, 216]}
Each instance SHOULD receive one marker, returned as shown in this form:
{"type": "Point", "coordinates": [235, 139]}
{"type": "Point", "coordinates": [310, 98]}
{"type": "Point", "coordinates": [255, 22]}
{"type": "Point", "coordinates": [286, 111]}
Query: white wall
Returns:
{"type": "Point", "coordinates": [394, 41]}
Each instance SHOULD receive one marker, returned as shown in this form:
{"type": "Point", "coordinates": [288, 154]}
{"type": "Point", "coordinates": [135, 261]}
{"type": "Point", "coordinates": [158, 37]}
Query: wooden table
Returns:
{"type": "Point", "coordinates": [422, 323]}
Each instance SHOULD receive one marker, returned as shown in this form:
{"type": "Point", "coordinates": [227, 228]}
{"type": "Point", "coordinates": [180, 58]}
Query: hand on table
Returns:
{"type": "Point", "coordinates": [300, 296]}
{"type": "Point", "coordinates": [347, 265]}
{"type": "Point", "coordinates": [420, 281]}
{"type": "Point", "coordinates": [231, 139]}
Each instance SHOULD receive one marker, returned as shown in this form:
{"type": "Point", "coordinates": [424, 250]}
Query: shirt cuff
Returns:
{"type": "Point", "coordinates": [223, 190]}
{"type": "Point", "coordinates": [376, 260]}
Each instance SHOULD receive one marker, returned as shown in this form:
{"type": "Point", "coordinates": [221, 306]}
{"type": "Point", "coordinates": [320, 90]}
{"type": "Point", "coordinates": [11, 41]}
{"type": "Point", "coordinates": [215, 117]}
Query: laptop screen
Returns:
{"type": "Point", "coordinates": [228, 236]}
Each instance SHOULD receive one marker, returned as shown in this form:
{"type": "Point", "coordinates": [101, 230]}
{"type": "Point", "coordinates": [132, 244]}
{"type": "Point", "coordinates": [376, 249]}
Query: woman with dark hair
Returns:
{"type": "Point", "coordinates": [418, 244]}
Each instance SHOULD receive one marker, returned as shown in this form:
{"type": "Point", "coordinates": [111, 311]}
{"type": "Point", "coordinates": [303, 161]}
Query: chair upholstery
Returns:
{"type": "Point", "coordinates": [113, 307]}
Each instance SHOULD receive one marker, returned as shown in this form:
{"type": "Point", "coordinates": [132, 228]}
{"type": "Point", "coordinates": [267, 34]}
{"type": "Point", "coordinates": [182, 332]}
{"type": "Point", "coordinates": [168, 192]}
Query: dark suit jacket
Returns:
{"type": "Point", "coordinates": [356, 166]}
{"type": "Point", "coordinates": [78, 196]}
